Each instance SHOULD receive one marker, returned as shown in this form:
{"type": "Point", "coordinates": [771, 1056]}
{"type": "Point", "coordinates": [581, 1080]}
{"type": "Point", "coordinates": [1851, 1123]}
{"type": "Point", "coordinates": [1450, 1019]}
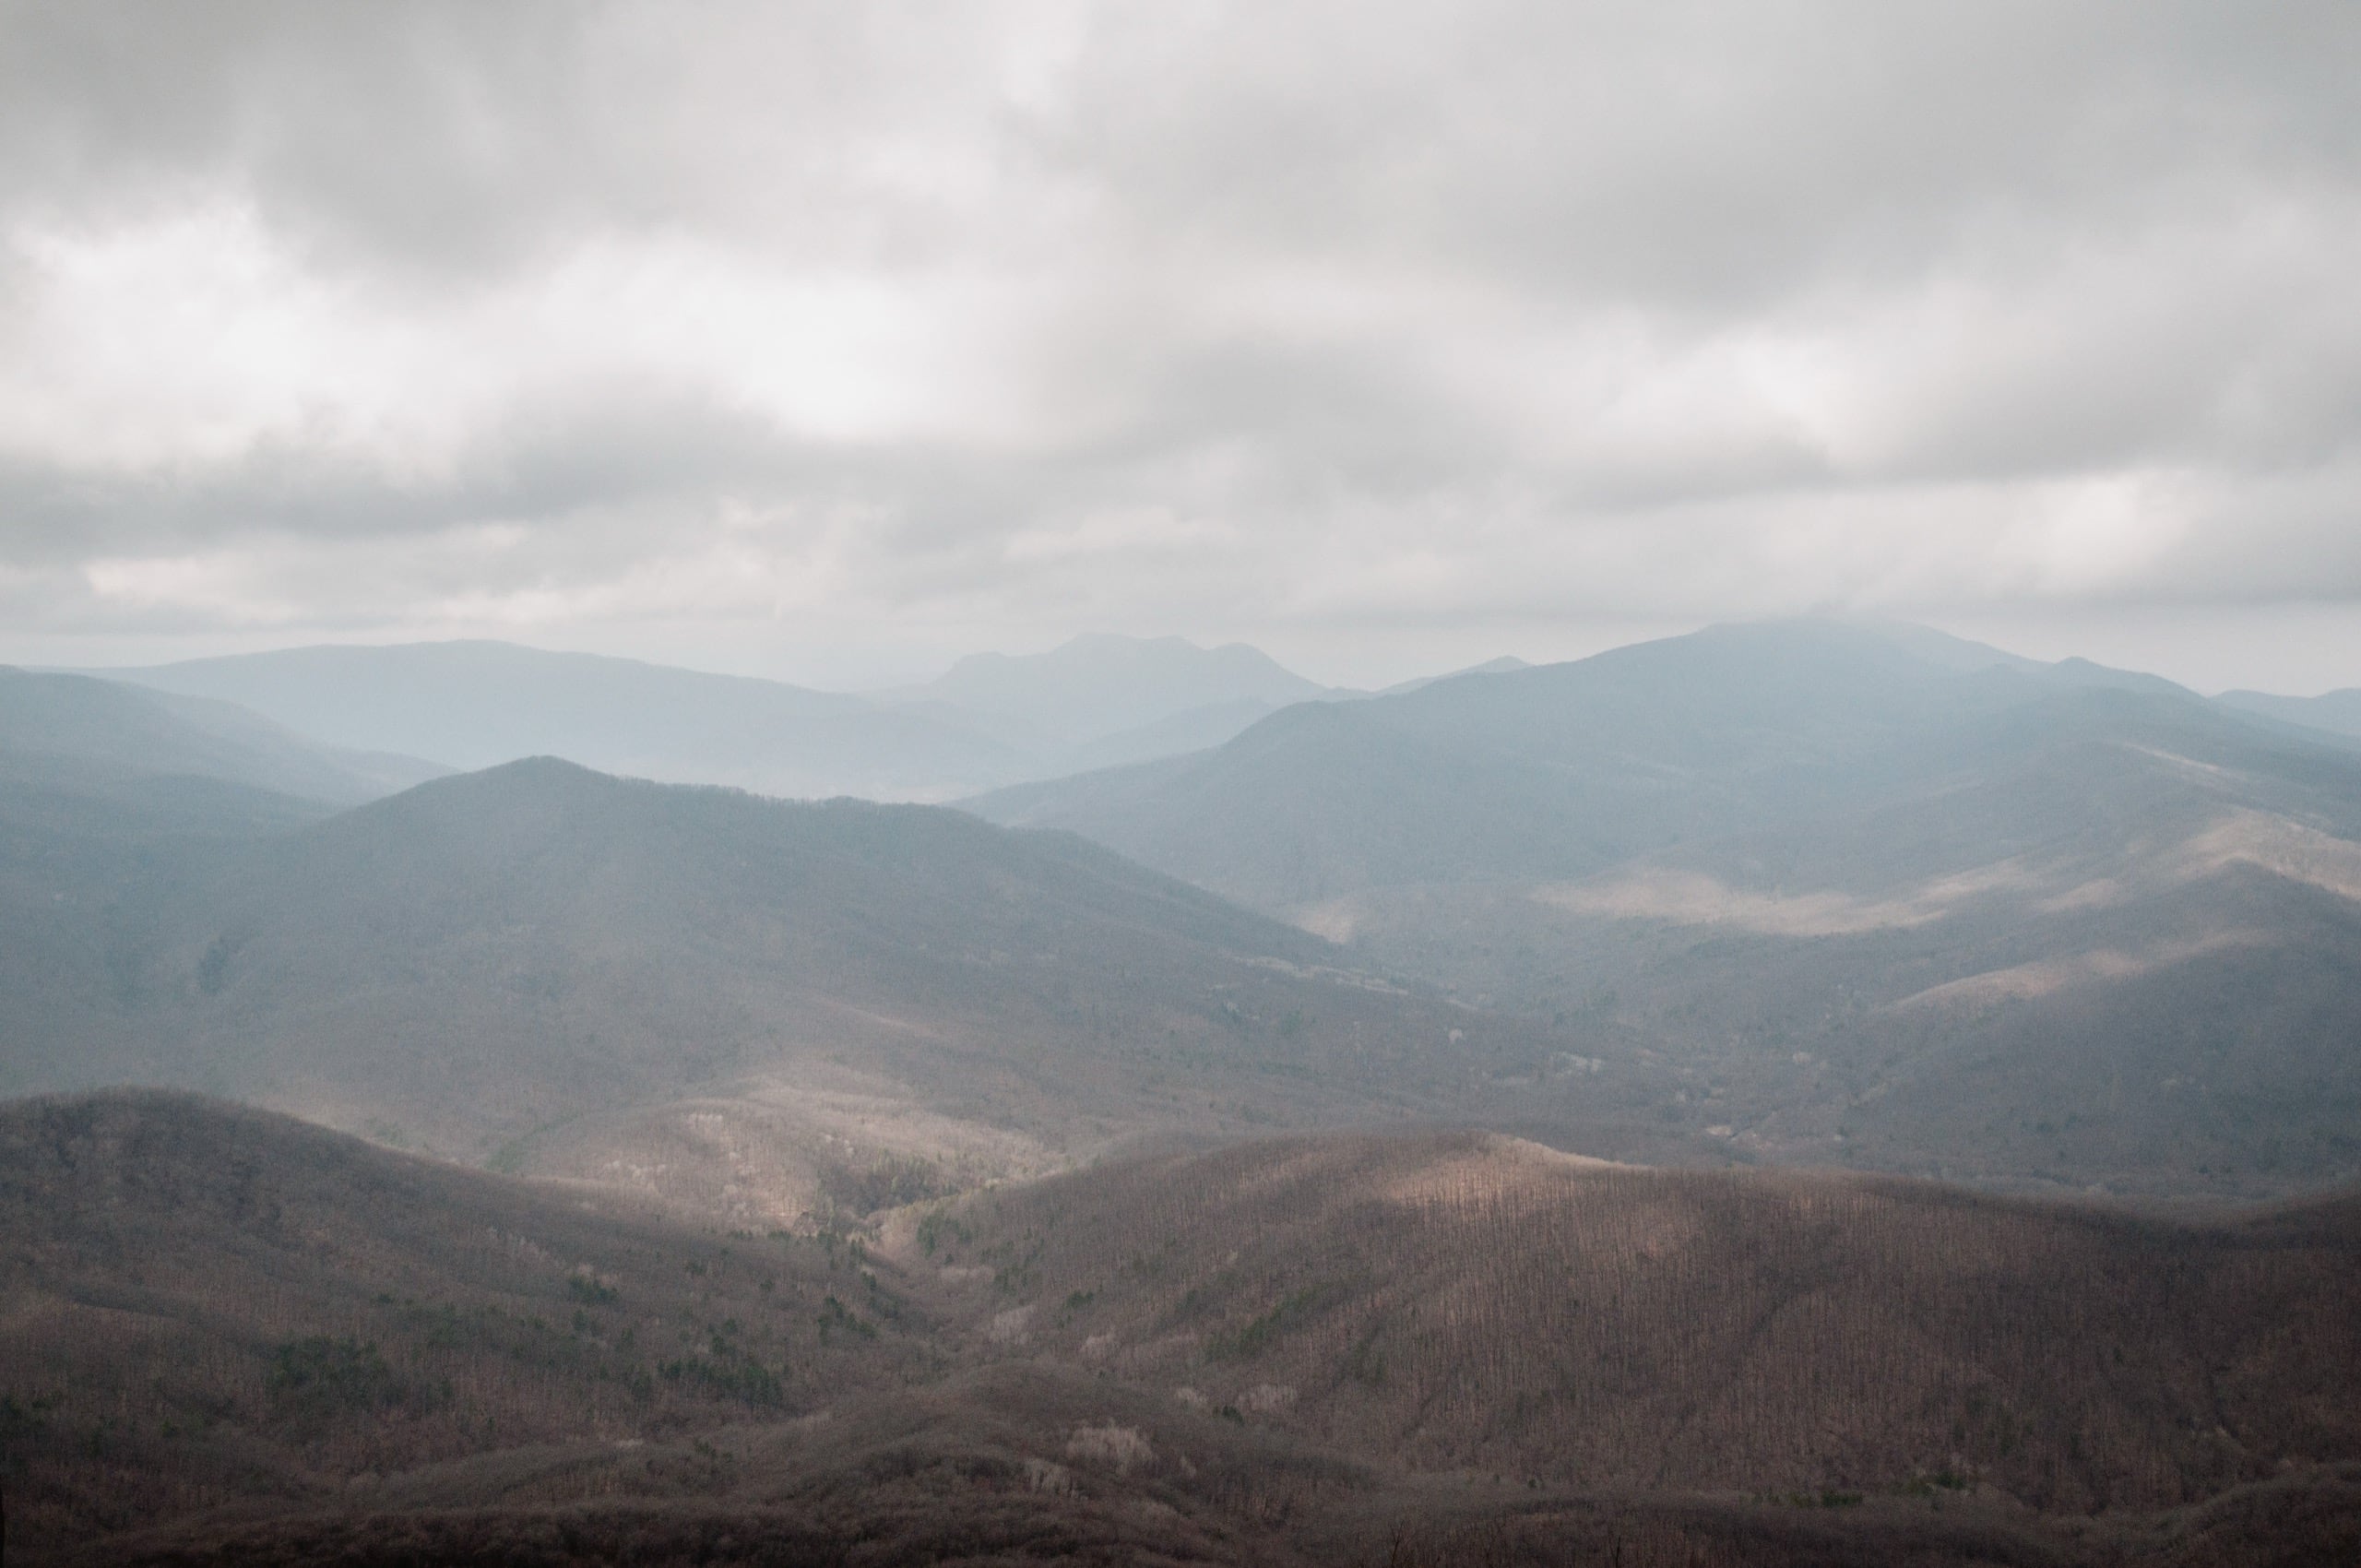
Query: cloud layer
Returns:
{"type": "Point", "coordinates": [1309, 321]}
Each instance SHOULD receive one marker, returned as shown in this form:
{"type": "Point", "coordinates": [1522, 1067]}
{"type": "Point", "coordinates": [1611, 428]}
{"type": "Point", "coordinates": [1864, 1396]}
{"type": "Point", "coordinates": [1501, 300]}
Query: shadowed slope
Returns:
{"type": "Point", "coordinates": [205, 1302]}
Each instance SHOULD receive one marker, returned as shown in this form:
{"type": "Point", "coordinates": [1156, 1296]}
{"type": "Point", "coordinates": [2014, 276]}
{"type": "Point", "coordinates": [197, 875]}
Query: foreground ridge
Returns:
{"type": "Point", "coordinates": [233, 1337]}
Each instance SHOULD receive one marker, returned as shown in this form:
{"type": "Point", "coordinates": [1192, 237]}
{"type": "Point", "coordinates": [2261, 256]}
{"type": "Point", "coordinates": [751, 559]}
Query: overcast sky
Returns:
{"type": "Point", "coordinates": [831, 341]}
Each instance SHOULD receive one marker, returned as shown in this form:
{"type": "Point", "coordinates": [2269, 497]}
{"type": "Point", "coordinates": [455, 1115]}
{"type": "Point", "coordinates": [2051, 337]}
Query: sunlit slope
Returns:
{"type": "Point", "coordinates": [1481, 1302]}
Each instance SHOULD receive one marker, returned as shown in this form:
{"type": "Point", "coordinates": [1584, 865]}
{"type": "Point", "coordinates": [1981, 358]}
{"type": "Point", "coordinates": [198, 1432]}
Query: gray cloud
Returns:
{"type": "Point", "coordinates": [1320, 321]}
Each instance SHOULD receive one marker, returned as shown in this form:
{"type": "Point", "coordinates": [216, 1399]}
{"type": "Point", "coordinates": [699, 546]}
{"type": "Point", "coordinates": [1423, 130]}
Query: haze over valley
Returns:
{"type": "Point", "coordinates": [1299, 787]}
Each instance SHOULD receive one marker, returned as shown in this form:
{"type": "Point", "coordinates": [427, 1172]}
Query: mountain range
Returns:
{"type": "Point", "coordinates": [1794, 893]}
{"type": "Point", "coordinates": [1887, 898]}
{"type": "Point", "coordinates": [992, 720]}
{"type": "Point", "coordinates": [1412, 1129]}
{"type": "Point", "coordinates": [740, 1006]}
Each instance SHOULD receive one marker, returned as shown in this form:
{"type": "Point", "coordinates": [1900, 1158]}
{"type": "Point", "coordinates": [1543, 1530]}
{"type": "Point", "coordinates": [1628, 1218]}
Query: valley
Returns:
{"type": "Point", "coordinates": [1796, 1094]}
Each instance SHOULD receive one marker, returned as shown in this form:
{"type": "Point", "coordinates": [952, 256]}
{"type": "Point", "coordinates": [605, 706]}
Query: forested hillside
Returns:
{"type": "Point", "coordinates": [233, 1337]}
{"type": "Point", "coordinates": [1473, 1302]}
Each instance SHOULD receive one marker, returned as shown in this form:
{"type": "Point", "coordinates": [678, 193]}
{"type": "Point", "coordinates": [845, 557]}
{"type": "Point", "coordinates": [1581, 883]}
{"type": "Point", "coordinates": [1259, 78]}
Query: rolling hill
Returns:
{"type": "Point", "coordinates": [1880, 897]}
{"type": "Point", "coordinates": [230, 1337]}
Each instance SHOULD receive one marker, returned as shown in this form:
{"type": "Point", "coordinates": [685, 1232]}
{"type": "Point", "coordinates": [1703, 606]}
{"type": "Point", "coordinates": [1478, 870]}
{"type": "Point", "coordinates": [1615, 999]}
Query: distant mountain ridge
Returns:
{"type": "Point", "coordinates": [736, 1006]}
{"type": "Point", "coordinates": [1797, 893]}
{"type": "Point", "coordinates": [78, 727]}
{"type": "Point", "coordinates": [1859, 880]}
{"type": "Point", "coordinates": [991, 720]}
{"type": "Point", "coordinates": [2338, 712]}
{"type": "Point", "coordinates": [1098, 686]}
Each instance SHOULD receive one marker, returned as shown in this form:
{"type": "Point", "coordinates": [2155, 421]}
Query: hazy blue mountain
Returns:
{"type": "Point", "coordinates": [1563, 770]}
{"type": "Point", "coordinates": [80, 731]}
{"type": "Point", "coordinates": [1554, 770]}
{"type": "Point", "coordinates": [1500, 666]}
{"type": "Point", "coordinates": [730, 996]}
{"type": "Point", "coordinates": [1192, 730]}
{"type": "Point", "coordinates": [2339, 712]}
{"type": "Point", "coordinates": [1100, 687]}
{"type": "Point", "coordinates": [108, 793]}
{"type": "Point", "coordinates": [1800, 892]}
{"type": "Point", "coordinates": [991, 720]}
{"type": "Point", "coordinates": [1886, 898]}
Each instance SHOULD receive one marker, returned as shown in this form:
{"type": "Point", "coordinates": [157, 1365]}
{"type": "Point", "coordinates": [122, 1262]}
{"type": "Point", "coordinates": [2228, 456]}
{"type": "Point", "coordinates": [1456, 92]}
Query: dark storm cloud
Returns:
{"type": "Point", "coordinates": [1045, 313]}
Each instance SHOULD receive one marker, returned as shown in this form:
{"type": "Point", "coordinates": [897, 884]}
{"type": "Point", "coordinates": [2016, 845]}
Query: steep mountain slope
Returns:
{"type": "Point", "coordinates": [228, 1336]}
{"type": "Point", "coordinates": [1857, 887]}
{"type": "Point", "coordinates": [749, 1005]}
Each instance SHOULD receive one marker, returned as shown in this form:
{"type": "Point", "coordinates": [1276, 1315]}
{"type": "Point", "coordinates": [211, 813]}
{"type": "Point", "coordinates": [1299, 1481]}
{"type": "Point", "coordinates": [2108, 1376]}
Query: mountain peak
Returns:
{"type": "Point", "coordinates": [1103, 684]}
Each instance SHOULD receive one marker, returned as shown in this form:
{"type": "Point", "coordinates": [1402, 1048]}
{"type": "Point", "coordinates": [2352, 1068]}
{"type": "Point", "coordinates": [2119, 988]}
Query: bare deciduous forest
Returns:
{"type": "Point", "coordinates": [233, 1337]}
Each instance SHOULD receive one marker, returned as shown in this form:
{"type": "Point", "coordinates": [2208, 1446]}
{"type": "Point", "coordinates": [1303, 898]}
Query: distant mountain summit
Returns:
{"type": "Point", "coordinates": [2339, 713]}
{"type": "Point", "coordinates": [740, 1006]}
{"type": "Point", "coordinates": [1088, 696]}
{"type": "Point", "coordinates": [475, 704]}
{"type": "Point", "coordinates": [1886, 895]}
{"type": "Point", "coordinates": [86, 735]}
{"type": "Point", "coordinates": [993, 719]}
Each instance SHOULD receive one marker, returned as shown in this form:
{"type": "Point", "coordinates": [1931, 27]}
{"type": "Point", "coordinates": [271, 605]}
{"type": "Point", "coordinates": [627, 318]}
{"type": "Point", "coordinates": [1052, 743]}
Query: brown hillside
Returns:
{"type": "Point", "coordinates": [201, 1303]}
{"type": "Point", "coordinates": [227, 1337]}
{"type": "Point", "coordinates": [1471, 1301]}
